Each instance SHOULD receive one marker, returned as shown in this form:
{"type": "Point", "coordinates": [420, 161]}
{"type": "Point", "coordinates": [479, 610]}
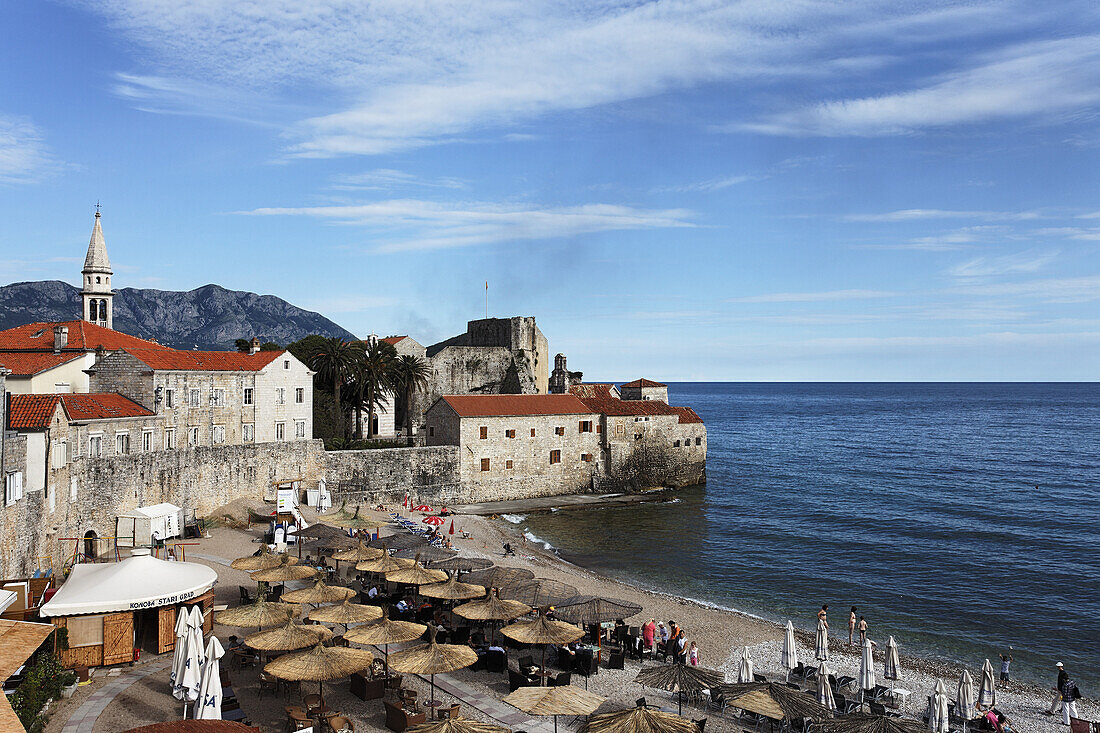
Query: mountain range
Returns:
{"type": "Point", "coordinates": [210, 317]}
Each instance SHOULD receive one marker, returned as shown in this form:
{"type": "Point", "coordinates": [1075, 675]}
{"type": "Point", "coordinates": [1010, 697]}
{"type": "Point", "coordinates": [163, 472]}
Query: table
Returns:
{"type": "Point", "coordinates": [901, 695]}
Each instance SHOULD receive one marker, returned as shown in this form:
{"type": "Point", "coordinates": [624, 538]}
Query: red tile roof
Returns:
{"type": "Point", "coordinates": [515, 405]}
{"type": "Point", "coordinates": [82, 337]}
{"type": "Point", "coordinates": [599, 399]}
{"type": "Point", "coordinates": [34, 411]}
{"type": "Point", "coordinates": [29, 363]}
{"type": "Point", "coordinates": [394, 340]}
{"type": "Point", "coordinates": [204, 361]}
{"type": "Point", "coordinates": [644, 383]}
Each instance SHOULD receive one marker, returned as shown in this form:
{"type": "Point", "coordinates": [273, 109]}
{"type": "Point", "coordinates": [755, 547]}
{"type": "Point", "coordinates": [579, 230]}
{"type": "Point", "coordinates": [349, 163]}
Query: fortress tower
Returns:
{"type": "Point", "coordinates": [95, 280]}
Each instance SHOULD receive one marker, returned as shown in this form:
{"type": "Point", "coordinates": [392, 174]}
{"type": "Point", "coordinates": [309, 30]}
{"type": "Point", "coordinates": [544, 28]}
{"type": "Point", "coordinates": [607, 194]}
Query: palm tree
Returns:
{"type": "Point", "coordinates": [376, 377]}
{"type": "Point", "coordinates": [334, 360]}
{"type": "Point", "coordinates": [412, 374]}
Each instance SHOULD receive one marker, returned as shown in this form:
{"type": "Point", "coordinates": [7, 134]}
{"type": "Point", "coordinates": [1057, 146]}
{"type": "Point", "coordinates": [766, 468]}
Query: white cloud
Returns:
{"type": "Point", "coordinates": [1051, 290]}
{"type": "Point", "coordinates": [24, 157]}
{"type": "Point", "coordinates": [411, 224]}
{"type": "Point", "coordinates": [712, 184]}
{"type": "Point", "coordinates": [1078, 233]}
{"type": "Point", "coordinates": [994, 266]}
{"type": "Point", "coordinates": [387, 179]}
{"type": "Point", "coordinates": [1043, 79]}
{"type": "Point", "coordinates": [926, 214]}
{"type": "Point", "coordinates": [817, 297]}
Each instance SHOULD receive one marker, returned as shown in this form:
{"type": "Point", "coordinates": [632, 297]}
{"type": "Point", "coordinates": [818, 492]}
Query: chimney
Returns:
{"type": "Point", "coordinates": [60, 338]}
{"type": "Point", "coordinates": [254, 345]}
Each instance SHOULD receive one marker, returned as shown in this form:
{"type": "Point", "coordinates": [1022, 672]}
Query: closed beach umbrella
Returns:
{"type": "Point", "coordinates": [197, 642]}
{"type": "Point", "coordinates": [987, 694]}
{"type": "Point", "coordinates": [680, 678]}
{"type": "Point", "coordinates": [187, 684]}
{"type": "Point", "coordinates": [890, 670]}
{"type": "Point", "coordinates": [432, 659]}
{"type": "Point", "coordinates": [319, 592]}
{"type": "Point", "coordinates": [824, 689]}
{"type": "Point", "coordinates": [821, 641]}
{"type": "Point", "coordinates": [257, 615]}
{"type": "Point", "coordinates": [744, 670]}
{"type": "Point", "coordinates": [346, 613]}
{"type": "Point", "coordinates": [789, 659]}
{"type": "Point", "coordinates": [938, 712]}
{"type": "Point", "coordinates": [866, 667]}
{"type": "Point", "coordinates": [639, 720]}
{"type": "Point", "coordinates": [209, 705]}
{"type": "Point", "coordinates": [964, 696]}
{"type": "Point", "coordinates": [180, 652]}
{"type": "Point", "coordinates": [563, 700]}
{"type": "Point", "coordinates": [288, 638]}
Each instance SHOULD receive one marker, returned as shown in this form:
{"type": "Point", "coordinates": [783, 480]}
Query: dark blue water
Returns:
{"type": "Point", "coordinates": [962, 518]}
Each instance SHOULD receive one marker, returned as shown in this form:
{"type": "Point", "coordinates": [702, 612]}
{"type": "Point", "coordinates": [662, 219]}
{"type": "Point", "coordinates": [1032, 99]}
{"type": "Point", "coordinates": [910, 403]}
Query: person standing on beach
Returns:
{"type": "Point", "coordinates": [1069, 700]}
{"type": "Point", "coordinates": [1062, 677]}
{"type": "Point", "coordinates": [851, 624]}
{"type": "Point", "coordinates": [662, 630]}
{"type": "Point", "coordinates": [648, 630]}
{"type": "Point", "coordinates": [1006, 659]}
{"type": "Point", "coordinates": [693, 654]}
{"type": "Point", "coordinates": [862, 630]}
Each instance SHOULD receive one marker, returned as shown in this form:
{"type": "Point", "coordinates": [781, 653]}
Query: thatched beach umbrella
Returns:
{"type": "Point", "coordinates": [259, 614]}
{"type": "Point", "coordinates": [492, 608]}
{"type": "Point", "coordinates": [863, 723]}
{"type": "Point", "coordinates": [319, 592]}
{"type": "Point", "coordinates": [399, 541]}
{"type": "Point", "coordinates": [284, 571]}
{"type": "Point", "coordinates": [987, 693]}
{"type": "Point", "coordinates": [384, 564]}
{"type": "Point", "coordinates": [416, 575]}
{"type": "Point", "coordinates": [866, 668]}
{"type": "Point", "coordinates": [680, 678]}
{"type": "Point", "coordinates": [427, 554]}
{"type": "Point", "coordinates": [824, 689]}
{"type": "Point", "coordinates": [432, 659]}
{"type": "Point", "coordinates": [360, 553]}
{"type": "Point", "coordinates": [543, 630]}
{"type": "Point", "coordinates": [320, 663]}
{"type": "Point", "coordinates": [639, 720]}
{"type": "Point", "coordinates": [386, 632]}
{"type": "Point", "coordinates": [346, 613]}
{"type": "Point", "coordinates": [452, 590]}
{"type": "Point", "coordinates": [462, 564]}
{"type": "Point", "coordinates": [938, 714]}
{"type": "Point", "coordinates": [537, 592]}
{"type": "Point", "coordinates": [499, 577]}
{"type": "Point", "coordinates": [288, 638]}
{"type": "Point", "coordinates": [595, 610]}
{"type": "Point", "coordinates": [964, 696]}
{"type": "Point", "coordinates": [821, 641]}
{"type": "Point", "coordinates": [890, 666]}
{"type": "Point", "coordinates": [744, 670]}
{"type": "Point", "coordinates": [789, 658]}
{"type": "Point", "coordinates": [563, 700]}
{"type": "Point", "coordinates": [458, 725]}
{"type": "Point", "coordinates": [266, 559]}
{"type": "Point", "coordinates": [773, 700]}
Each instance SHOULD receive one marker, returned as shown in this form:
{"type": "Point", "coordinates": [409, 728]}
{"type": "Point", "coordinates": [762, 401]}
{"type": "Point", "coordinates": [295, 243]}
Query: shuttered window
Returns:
{"type": "Point", "coordinates": [555, 456]}
{"type": "Point", "coordinates": [484, 464]}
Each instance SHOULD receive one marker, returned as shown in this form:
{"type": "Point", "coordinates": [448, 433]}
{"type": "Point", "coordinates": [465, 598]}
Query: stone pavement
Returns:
{"type": "Point", "coordinates": [84, 717]}
{"type": "Point", "coordinates": [504, 714]}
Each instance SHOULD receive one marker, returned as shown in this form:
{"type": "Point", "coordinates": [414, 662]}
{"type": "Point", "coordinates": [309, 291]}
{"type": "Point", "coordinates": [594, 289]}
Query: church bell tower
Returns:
{"type": "Point", "coordinates": [96, 280]}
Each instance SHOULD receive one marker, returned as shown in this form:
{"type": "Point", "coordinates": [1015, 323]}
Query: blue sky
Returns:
{"type": "Point", "coordinates": [682, 190]}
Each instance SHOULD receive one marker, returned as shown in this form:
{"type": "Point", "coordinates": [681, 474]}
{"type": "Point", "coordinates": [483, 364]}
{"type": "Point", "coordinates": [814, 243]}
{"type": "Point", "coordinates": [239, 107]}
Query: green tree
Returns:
{"type": "Point", "coordinates": [243, 345]}
{"type": "Point", "coordinates": [270, 346]}
{"type": "Point", "coordinates": [335, 360]}
{"type": "Point", "coordinates": [376, 377]}
{"type": "Point", "coordinates": [411, 374]}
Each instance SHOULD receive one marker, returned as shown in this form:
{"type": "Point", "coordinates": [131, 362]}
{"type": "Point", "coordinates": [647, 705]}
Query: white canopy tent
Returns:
{"type": "Point", "coordinates": [148, 524]}
{"type": "Point", "coordinates": [137, 583]}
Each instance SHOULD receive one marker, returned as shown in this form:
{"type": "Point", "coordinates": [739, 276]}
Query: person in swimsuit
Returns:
{"type": "Point", "coordinates": [862, 630]}
{"type": "Point", "coordinates": [851, 624]}
{"type": "Point", "coordinates": [823, 614]}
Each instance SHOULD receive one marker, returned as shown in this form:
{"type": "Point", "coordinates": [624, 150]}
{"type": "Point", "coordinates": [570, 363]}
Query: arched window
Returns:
{"type": "Point", "coordinates": [97, 280]}
{"type": "Point", "coordinates": [92, 309]}
{"type": "Point", "coordinates": [90, 549]}
{"type": "Point", "coordinates": [103, 309]}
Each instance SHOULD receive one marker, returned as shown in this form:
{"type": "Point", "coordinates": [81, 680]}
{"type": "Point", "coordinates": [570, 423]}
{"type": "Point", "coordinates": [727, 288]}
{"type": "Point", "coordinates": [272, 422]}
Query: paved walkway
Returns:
{"type": "Point", "coordinates": [84, 718]}
{"type": "Point", "coordinates": [567, 501]}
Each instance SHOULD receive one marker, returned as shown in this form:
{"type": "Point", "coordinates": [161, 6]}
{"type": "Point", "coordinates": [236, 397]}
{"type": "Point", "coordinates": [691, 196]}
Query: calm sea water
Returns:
{"type": "Point", "coordinates": [964, 519]}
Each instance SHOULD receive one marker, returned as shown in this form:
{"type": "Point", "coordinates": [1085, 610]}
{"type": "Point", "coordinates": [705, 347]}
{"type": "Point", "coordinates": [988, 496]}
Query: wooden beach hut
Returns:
{"type": "Point", "coordinates": [111, 609]}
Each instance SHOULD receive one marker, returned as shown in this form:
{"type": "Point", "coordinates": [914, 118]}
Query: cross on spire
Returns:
{"type": "Point", "coordinates": [97, 208]}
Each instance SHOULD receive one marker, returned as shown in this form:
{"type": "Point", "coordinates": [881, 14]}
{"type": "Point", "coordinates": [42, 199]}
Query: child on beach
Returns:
{"type": "Point", "coordinates": [862, 630]}
{"type": "Point", "coordinates": [693, 655]}
{"type": "Point", "coordinates": [1006, 659]}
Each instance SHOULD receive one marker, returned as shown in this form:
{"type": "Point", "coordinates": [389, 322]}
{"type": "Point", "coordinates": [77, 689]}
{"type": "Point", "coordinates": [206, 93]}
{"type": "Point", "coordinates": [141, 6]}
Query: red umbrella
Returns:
{"type": "Point", "coordinates": [421, 508]}
{"type": "Point", "coordinates": [434, 520]}
{"type": "Point", "coordinates": [452, 529]}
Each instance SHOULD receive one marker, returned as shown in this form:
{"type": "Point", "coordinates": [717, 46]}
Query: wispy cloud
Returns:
{"type": "Point", "coordinates": [815, 297]}
{"type": "Point", "coordinates": [995, 266]}
{"type": "Point", "coordinates": [930, 214]}
{"type": "Point", "coordinates": [1042, 79]}
{"type": "Point", "coordinates": [1078, 233]}
{"type": "Point", "coordinates": [712, 184]}
{"type": "Point", "coordinates": [411, 224]}
{"type": "Point", "coordinates": [1051, 290]}
{"type": "Point", "coordinates": [24, 157]}
{"type": "Point", "coordinates": [389, 179]}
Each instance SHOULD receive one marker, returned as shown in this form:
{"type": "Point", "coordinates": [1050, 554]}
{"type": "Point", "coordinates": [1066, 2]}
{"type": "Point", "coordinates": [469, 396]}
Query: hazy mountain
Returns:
{"type": "Point", "coordinates": [209, 317]}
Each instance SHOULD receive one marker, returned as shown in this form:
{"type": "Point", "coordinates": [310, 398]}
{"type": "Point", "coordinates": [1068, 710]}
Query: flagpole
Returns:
{"type": "Point", "coordinates": [486, 299]}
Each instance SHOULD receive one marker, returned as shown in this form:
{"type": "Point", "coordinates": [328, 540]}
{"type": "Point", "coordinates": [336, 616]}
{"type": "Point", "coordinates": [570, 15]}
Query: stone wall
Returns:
{"type": "Point", "coordinates": [653, 451]}
{"type": "Point", "coordinates": [383, 475]}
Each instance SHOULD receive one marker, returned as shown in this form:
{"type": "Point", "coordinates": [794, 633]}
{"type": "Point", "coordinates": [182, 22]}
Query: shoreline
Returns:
{"type": "Point", "coordinates": [1023, 701]}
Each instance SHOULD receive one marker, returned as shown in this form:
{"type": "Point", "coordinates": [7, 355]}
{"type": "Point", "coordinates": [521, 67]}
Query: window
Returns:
{"type": "Point", "coordinates": [217, 397]}
{"type": "Point", "coordinates": [676, 444]}
{"type": "Point", "coordinates": [217, 435]}
{"type": "Point", "coordinates": [559, 430]}
{"type": "Point", "coordinates": [599, 428]}
{"type": "Point", "coordinates": [586, 457]}
{"type": "Point", "coordinates": [280, 431]}
{"type": "Point", "coordinates": [509, 433]}
{"type": "Point", "coordinates": [192, 436]}
{"type": "Point", "coordinates": [299, 395]}
{"type": "Point", "coordinates": [60, 450]}
{"type": "Point", "coordinates": [170, 438]}
{"type": "Point", "coordinates": [193, 397]}
{"type": "Point", "coordinates": [84, 631]}
{"type": "Point", "coordinates": [72, 488]}
{"type": "Point", "coordinates": [431, 431]}
{"type": "Point", "coordinates": [286, 363]}
{"type": "Point", "coordinates": [95, 446]}
{"type": "Point", "coordinates": [508, 464]}
{"type": "Point", "coordinates": [484, 432]}
{"type": "Point", "coordinates": [169, 398]}
{"type": "Point", "coordinates": [532, 432]}
{"type": "Point", "coordinates": [280, 395]}
{"type": "Point", "coordinates": [299, 428]}
{"type": "Point", "coordinates": [555, 457]}
{"type": "Point", "coordinates": [248, 432]}
{"type": "Point", "coordinates": [586, 426]}
{"type": "Point", "coordinates": [698, 441]}
{"type": "Point", "coordinates": [13, 487]}
{"type": "Point", "coordinates": [484, 464]}
{"type": "Point", "coordinates": [249, 396]}
{"type": "Point", "coordinates": [122, 443]}
{"type": "Point", "coordinates": [637, 436]}
{"type": "Point", "coordinates": [146, 440]}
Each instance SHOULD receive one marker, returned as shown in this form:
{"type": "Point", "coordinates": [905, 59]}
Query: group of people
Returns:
{"type": "Point", "coordinates": [674, 640]}
{"type": "Point", "coordinates": [1066, 695]}
{"type": "Point", "coordinates": [856, 628]}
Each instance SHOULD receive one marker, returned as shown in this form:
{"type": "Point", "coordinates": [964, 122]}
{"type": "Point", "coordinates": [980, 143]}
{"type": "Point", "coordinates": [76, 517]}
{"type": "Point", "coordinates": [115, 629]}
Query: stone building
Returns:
{"type": "Point", "coordinates": [644, 389]}
{"type": "Point", "coordinates": [210, 398]}
{"type": "Point", "coordinates": [95, 279]}
{"type": "Point", "coordinates": [561, 379]}
{"type": "Point", "coordinates": [518, 445]}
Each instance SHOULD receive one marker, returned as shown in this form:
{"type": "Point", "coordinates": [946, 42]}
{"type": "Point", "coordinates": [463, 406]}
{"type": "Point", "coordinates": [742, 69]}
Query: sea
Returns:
{"type": "Point", "coordinates": [963, 519]}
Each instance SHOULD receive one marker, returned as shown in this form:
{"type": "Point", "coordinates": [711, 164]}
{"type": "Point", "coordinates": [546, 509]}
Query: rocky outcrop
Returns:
{"type": "Point", "coordinates": [210, 317]}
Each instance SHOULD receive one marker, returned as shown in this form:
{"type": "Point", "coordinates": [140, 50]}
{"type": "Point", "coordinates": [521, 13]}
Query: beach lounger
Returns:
{"type": "Point", "coordinates": [564, 679]}
{"type": "Point", "coordinates": [616, 660]}
{"type": "Point", "coordinates": [844, 681]}
{"type": "Point", "coordinates": [759, 678]}
{"type": "Point", "coordinates": [716, 702]}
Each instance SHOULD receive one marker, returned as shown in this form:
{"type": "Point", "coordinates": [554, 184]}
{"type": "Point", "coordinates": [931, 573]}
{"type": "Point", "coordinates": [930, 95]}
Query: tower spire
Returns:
{"type": "Point", "coordinates": [95, 279]}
